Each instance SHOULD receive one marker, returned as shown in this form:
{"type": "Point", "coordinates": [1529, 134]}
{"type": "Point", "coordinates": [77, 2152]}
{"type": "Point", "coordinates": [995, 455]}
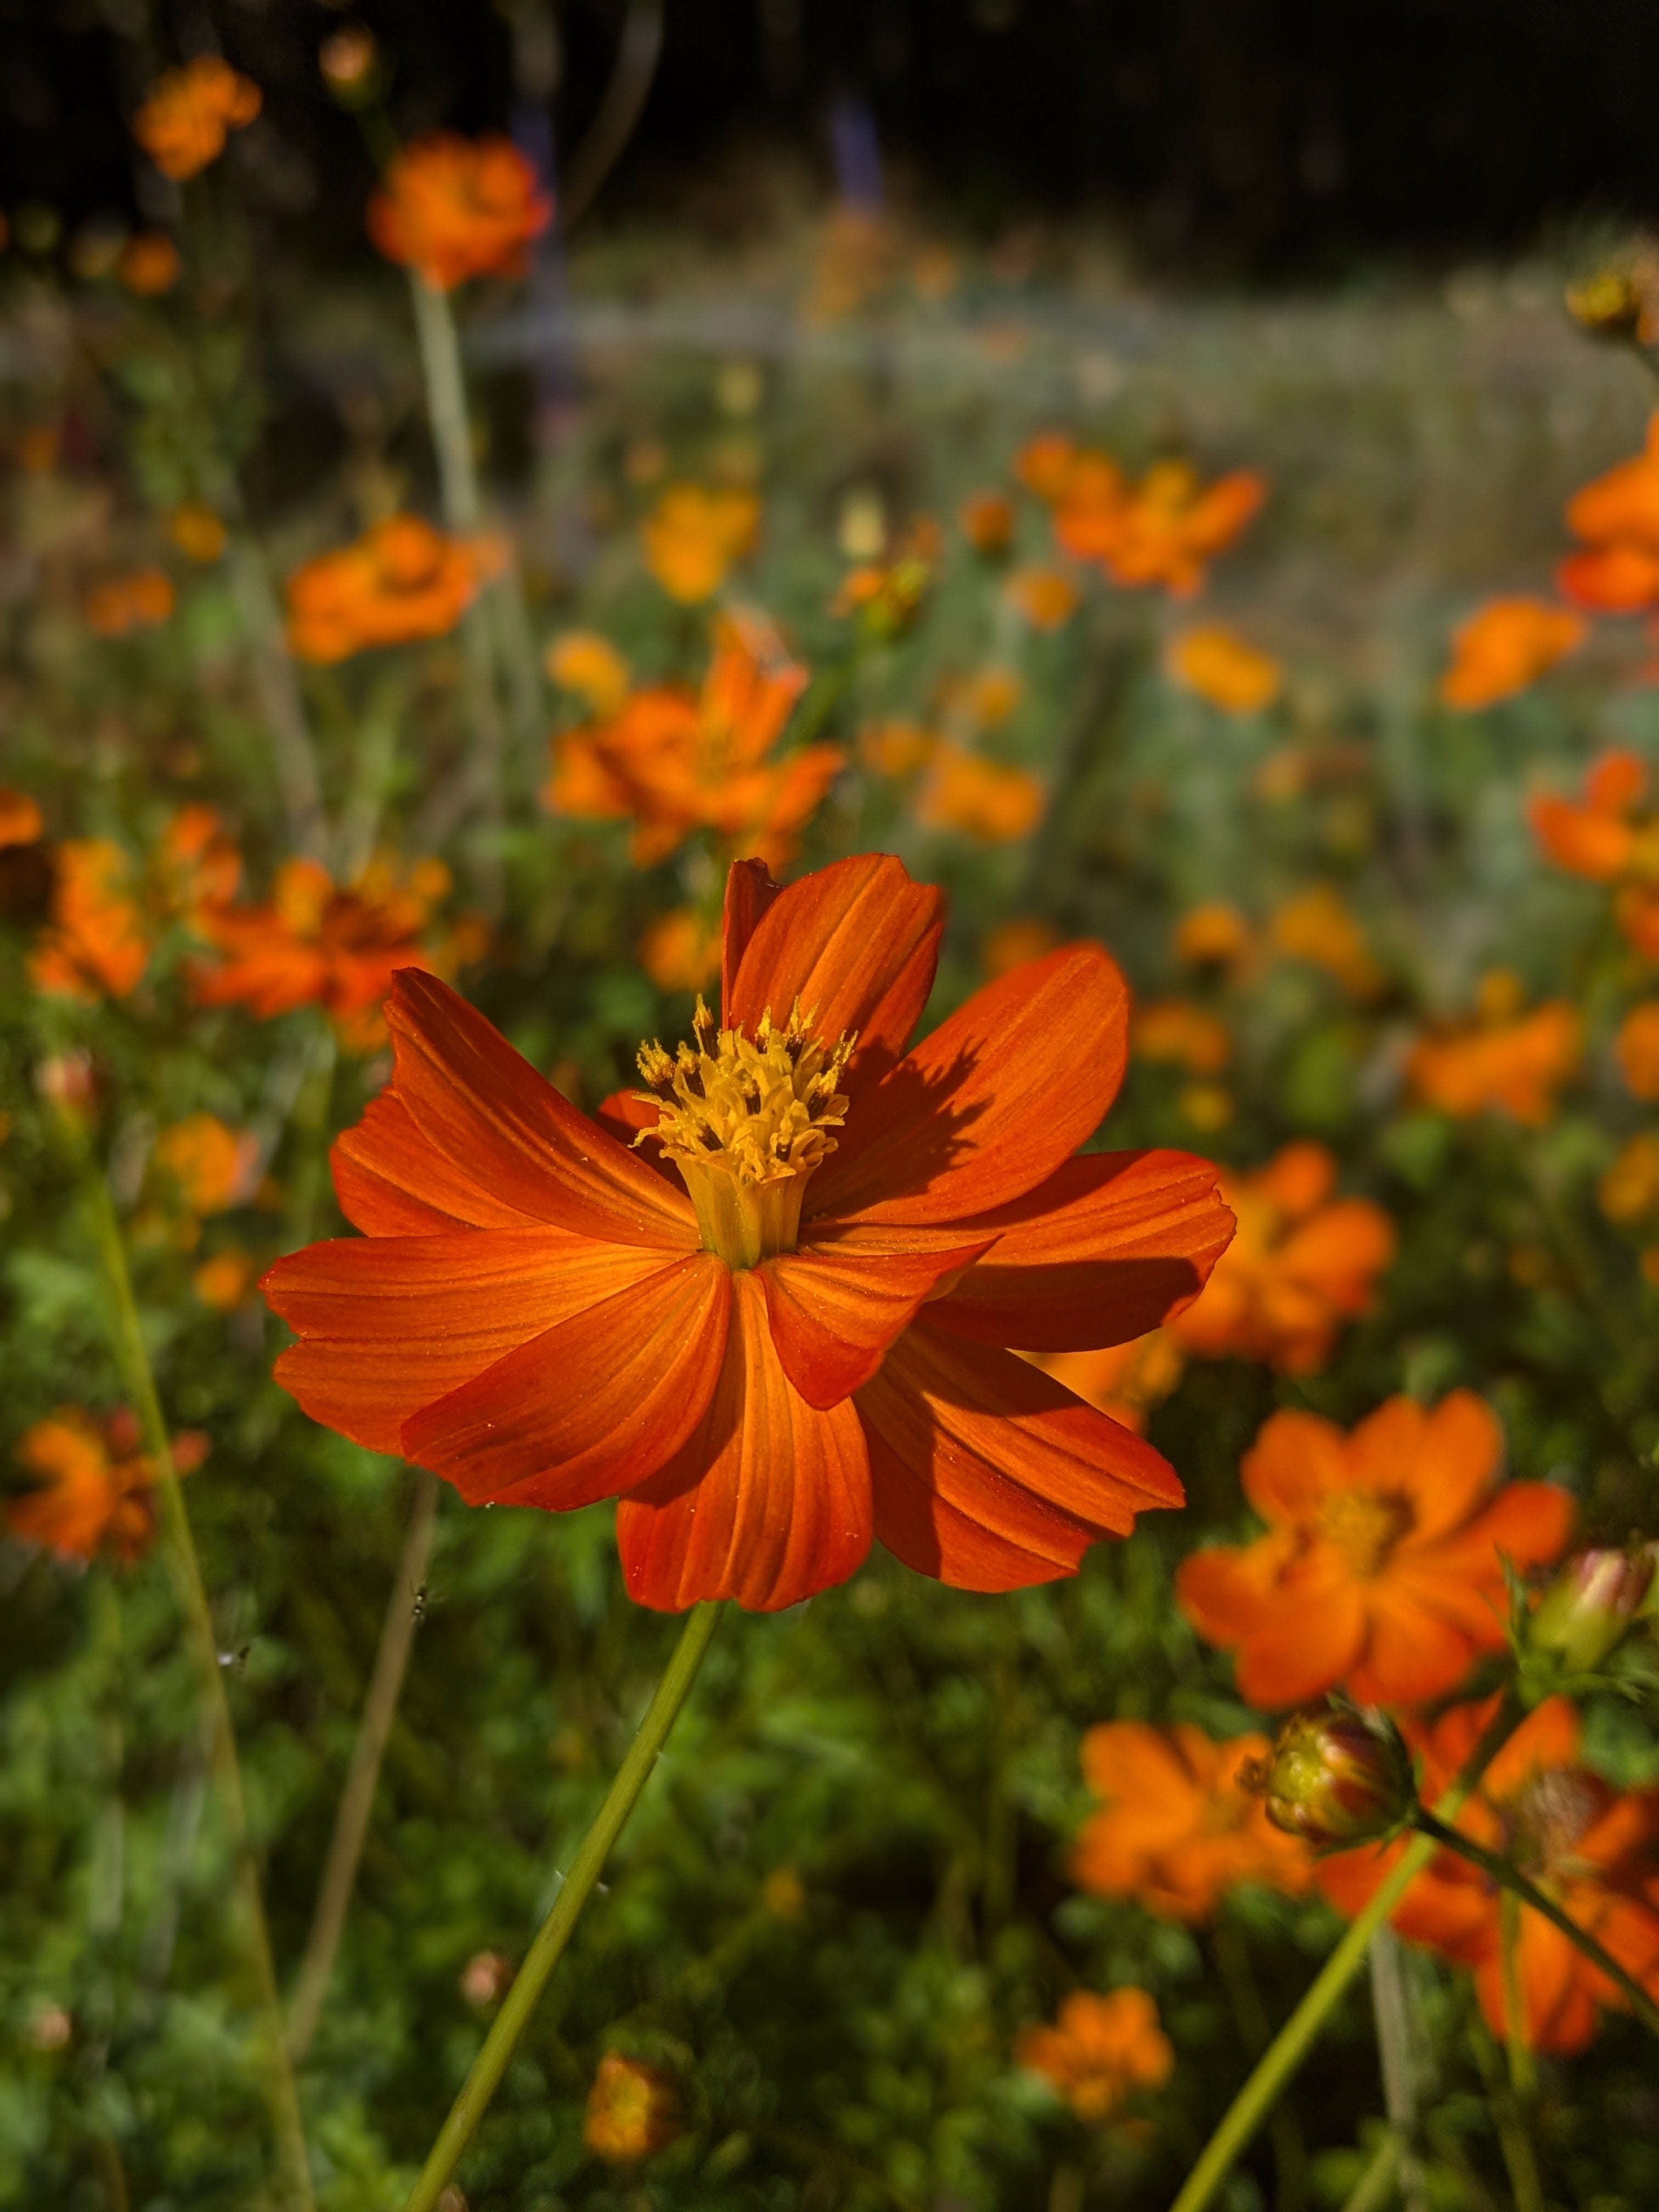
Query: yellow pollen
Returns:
{"type": "Point", "coordinates": [1364, 1526]}
{"type": "Point", "coordinates": [745, 1120]}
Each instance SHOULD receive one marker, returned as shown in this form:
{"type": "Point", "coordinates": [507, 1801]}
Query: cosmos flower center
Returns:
{"type": "Point", "coordinates": [1365, 1525]}
{"type": "Point", "coordinates": [1548, 1820]}
{"type": "Point", "coordinates": [745, 1120]}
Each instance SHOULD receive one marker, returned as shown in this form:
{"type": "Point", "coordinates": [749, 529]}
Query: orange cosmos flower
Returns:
{"type": "Point", "coordinates": [1637, 1049]}
{"type": "Point", "coordinates": [94, 1490]}
{"type": "Point", "coordinates": [21, 822]}
{"type": "Point", "coordinates": [582, 661]}
{"type": "Point", "coordinates": [1596, 836]}
{"type": "Point", "coordinates": [196, 531]}
{"type": "Point", "coordinates": [1214, 934]}
{"type": "Point", "coordinates": [1316, 925]}
{"type": "Point", "coordinates": [224, 1281]}
{"type": "Point", "coordinates": [454, 208]}
{"type": "Point", "coordinates": [1503, 1062]}
{"type": "Point", "coordinates": [1221, 667]}
{"type": "Point", "coordinates": [681, 951]}
{"type": "Point", "coordinates": [887, 595]}
{"type": "Point", "coordinates": [139, 601]}
{"type": "Point", "coordinates": [1301, 1264]}
{"type": "Point", "coordinates": [1175, 1030]}
{"type": "Point", "coordinates": [1011, 942]}
{"type": "Point", "coordinates": [632, 2111]}
{"type": "Point", "coordinates": [1101, 2051]}
{"type": "Point", "coordinates": [149, 264]}
{"type": "Point", "coordinates": [964, 791]}
{"type": "Point", "coordinates": [1047, 598]}
{"type": "Point", "coordinates": [1593, 1850]}
{"type": "Point", "coordinates": [1382, 1572]}
{"type": "Point", "coordinates": [322, 944]}
{"type": "Point", "coordinates": [988, 522]}
{"type": "Point", "coordinates": [1123, 1381]}
{"type": "Point", "coordinates": [774, 1331]}
{"type": "Point", "coordinates": [399, 581]}
{"type": "Point", "coordinates": [672, 763]}
{"type": "Point", "coordinates": [195, 866]}
{"type": "Point", "coordinates": [1049, 465]}
{"type": "Point", "coordinates": [1176, 1830]}
{"type": "Point", "coordinates": [211, 1165]}
{"type": "Point", "coordinates": [692, 536]}
{"type": "Point", "coordinates": [896, 748]}
{"type": "Point", "coordinates": [1505, 646]}
{"type": "Point", "coordinates": [1163, 531]}
{"type": "Point", "coordinates": [96, 944]}
{"type": "Point", "coordinates": [184, 123]}
{"type": "Point", "coordinates": [1617, 516]}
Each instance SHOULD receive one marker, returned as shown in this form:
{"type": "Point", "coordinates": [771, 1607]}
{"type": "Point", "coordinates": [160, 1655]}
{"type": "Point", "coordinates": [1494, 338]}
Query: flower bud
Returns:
{"type": "Point", "coordinates": [1587, 1611]}
{"type": "Point", "coordinates": [1336, 1778]}
{"type": "Point", "coordinates": [67, 1083]}
{"type": "Point", "coordinates": [1607, 305]}
{"type": "Point", "coordinates": [351, 63]}
{"type": "Point", "coordinates": [633, 2109]}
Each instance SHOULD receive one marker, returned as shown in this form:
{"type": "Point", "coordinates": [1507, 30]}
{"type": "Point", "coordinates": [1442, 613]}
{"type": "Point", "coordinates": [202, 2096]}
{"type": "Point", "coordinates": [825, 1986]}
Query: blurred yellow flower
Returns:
{"type": "Point", "coordinates": [1221, 667]}
{"type": "Point", "coordinates": [692, 536]}
{"type": "Point", "coordinates": [582, 661]}
{"type": "Point", "coordinates": [1316, 927]}
{"type": "Point", "coordinates": [632, 2111]}
{"type": "Point", "coordinates": [1214, 934]}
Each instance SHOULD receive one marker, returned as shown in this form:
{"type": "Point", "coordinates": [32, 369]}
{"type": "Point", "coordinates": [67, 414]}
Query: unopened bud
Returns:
{"type": "Point", "coordinates": [66, 1081]}
{"type": "Point", "coordinates": [1335, 1778]}
{"type": "Point", "coordinates": [1607, 305]}
{"type": "Point", "coordinates": [349, 60]}
{"type": "Point", "coordinates": [1587, 1611]}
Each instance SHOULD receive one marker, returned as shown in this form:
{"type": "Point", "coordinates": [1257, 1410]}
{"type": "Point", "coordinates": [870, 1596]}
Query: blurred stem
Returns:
{"type": "Point", "coordinates": [133, 1360]}
{"type": "Point", "coordinates": [1232, 1958]}
{"type": "Point", "coordinates": [555, 1932]}
{"type": "Point", "coordinates": [1394, 2046]}
{"type": "Point", "coordinates": [1523, 2077]}
{"type": "Point", "coordinates": [278, 693]}
{"type": "Point", "coordinates": [376, 755]}
{"type": "Point", "coordinates": [345, 1848]}
{"type": "Point", "coordinates": [1512, 2137]}
{"type": "Point", "coordinates": [310, 1125]}
{"type": "Point", "coordinates": [1524, 1891]}
{"type": "Point", "coordinates": [1296, 2039]}
{"type": "Point", "coordinates": [1371, 2191]}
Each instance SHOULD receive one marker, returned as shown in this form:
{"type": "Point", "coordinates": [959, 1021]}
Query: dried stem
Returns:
{"type": "Point", "coordinates": [345, 1848]}
{"type": "Point", "coordinates": [1394, 2046]}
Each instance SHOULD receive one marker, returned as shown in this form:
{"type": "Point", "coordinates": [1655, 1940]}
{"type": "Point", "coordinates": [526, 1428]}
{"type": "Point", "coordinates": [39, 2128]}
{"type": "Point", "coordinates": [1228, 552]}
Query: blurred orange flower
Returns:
{"type": "Point", "coordinates": [399, 581]}
{"type": "Point", "coordinates": [94, 1490]}
{"type": "Point", "coordinates": [1505, 646]}
{"type": "Point", "coordinates": [1047, 598]}
{"type": "Point", "coordinates": [887, 595]}
{"type": "Point", "coordinates": [1048, 464]}
{"type": "Point", "coordinates": [1629, 1191]}
{"type": "Point", "coordinates": [320, 944]}
{"type": "Point", "coordinates": [1175, 1030]}
{"type": "Point", "coordinates": [128, 603]}
{"type": "Point", "coordinates": [96, 944]}
{"type": "Point", "coordinates": [211, 1165]}
{"type": "Point", "coordinates": [196, 531]}
{"type": "Point", "coordinates": [692, 536]}
{"type": "Point", "coordinates": [896, 748]}
{"type": "Point", "coordinates": [963, 791]}
{"type": "Point", "coordinates": [987, 521]}
{"type": "Point", "coordinates": [1176, 1832]}
{"type": "Point", "coordinates": [1301, 1262]}
{"type": "Point", "coordinates": [1101, 2051]}
{"type": "Point", "coordinates": [582, 661]}
{"type": "Point", "coordinates": [1503, 1062]}
{"type": "Point", "coordinates": [20, 819]}
{"type": "Point", "coordinates": [1595, 836]}
{"type": "Point", "coordinates": [184, 123]}
{"type": "Point", "coordinates": [196, 866]}
{"type": "Point", "coordinates": [632, 2111]}
{"type": "Point", "coordinates": [670, 763]}
{"type": "Point", "coordinates": [1013, 942]}
{"type": "Point", "coordinates": [1591, 1848]}
{"type": "Point", "coordinates": [149, 264]}
{"type": "Point", "coordinates": [1637, 1046]}
{"type": "Point", "coordinates": [1124, 1381]}
{"type": "Point", "coordinates": [454, 208]}
{"type": "Point", "coordinates": [681, 951]}
{"type": "Point", "coordinates": [1617, 516]}
{"type": "Point", "coordinates": [224, 1281]}
{"type": "Point", "coordinates": [1164, 529]}
{"type": "Point", "coordinates": [1382, 1572]}
{"type": "Point", "coordinates": [1213, 934]}
{"type": "Point", "coordinates": [1221, 667]}
{"type": "Point", "coordinates": [1316, 925]}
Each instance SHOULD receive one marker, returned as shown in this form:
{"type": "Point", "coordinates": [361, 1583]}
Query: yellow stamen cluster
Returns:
{"type": "Point", "coordinates": [745, 1120]}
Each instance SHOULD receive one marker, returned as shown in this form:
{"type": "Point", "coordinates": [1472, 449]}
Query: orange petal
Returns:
{"type": "Point", "coordinates": [837, 1305]}
{"type": "Point", "coordinates": [1297, 1461]}
{"type": "Point", "coordinates": [485, 1108]}
{"type": "Point", "coordinates": [988, 1475]}
{"type": "Point", "coordinates": [766, 1502]}
{"type": "Point", "coordinates": [749, 892]}
{"type": "Point", "coordinates": [592, 1407]}
{"type": "Point", "coordinates": [390, 1182]}
{"type": "Point", "coordinates": [989, 1105]}
{"type": "Point", "coordinates": [387, 1325]}
{"type": "Point", "coordinates": [1412, 1653]}
{"type": "Point", "coordinates": [857, 943]}
{"type": "Point", "coordinates": [1100, 1253]}
{"type": "Point", "coordinates": [1227, 1590]}
{"type": "Point", "coordinates": [1306, 1645]}
{"type": "Point", "coordinates": [1442, 1461]}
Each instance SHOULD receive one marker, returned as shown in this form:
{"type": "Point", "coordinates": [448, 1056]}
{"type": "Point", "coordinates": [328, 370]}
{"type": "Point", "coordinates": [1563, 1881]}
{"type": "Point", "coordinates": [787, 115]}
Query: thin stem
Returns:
{"type": "Point", "coordinates": [280, 704]}
{"type": "Point", "coordinates": [1232, 1958]}
{"type": "Point", "coordinates": [1520, 1886]}
{"type": "Point", "coordinates": [1524, 2075]}
{"type": "Point", "coordinates": [1394, 2052]}
{"type": "Point", "coordinates": [1371, 2191]}
{"type": "Point", "coordinates": [345, 1847]}
{"type": "Point", "coordinates": [555, 1933]}
{"type": "Point", "coordinates": [1296, 2039]}
{"type": "Point", "coordinates": [1512, 2137]}
{"type": "Point", "coordinates": [134, 1362]}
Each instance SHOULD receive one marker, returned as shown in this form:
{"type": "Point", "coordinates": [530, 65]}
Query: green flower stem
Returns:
{"type": "Point", "coordinates": [555, 1933]}
{"type": "Point", "coordinates": [1513, 2140]}
{"type": "Point", "coordinates": [1394, 2046]}
{"type": "Point", "coordinates": [180, 1545]}
{"type": "Point", "coordinates": [1518, 1885]}
{"type": "Point", "coordinates": [1523, 2074]}
{"type": "Point", "coordinates": [1371, 2191]}
{"type": "Point", "coordinates": [1296, 2039]}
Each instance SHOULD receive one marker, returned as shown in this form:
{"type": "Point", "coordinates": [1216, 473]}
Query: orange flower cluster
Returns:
{"type": "Point", "coordinates": [583, 662]}
{"type": "Point", "coordinates": [124, 604]}
{"type": "Point", "coordinates": [1101, 2051]}
{"type": "Point", "coordinates": [1382, 1572]}
{"type": "Point", "coordinates": [320, 944]}
{"type": "Point", "coordinates": [1503, 1062]}
{"type": "Point", "coordinates": [1163, 531]}
{"type": "Point", "coordinates": [1224, 668]}
{"type": "Point", "coordinates": [887, 595]}
{"type": "Point", "coordinates": [692, 536]}
{"type": "Point", "coordinates": [1592, 1850]}
{"type": "Point", "coordinates": [211, 1165]}
{"type": "Point", "coordinates": [1504, 646]}
{"type": "Point", "coordinates": [399, 581]}
{"type": "Point", "coordinates": [1617, 517]}
{"type": "Point", "coordinates": [106, 911]}
{"type": "Point", "coordinates": [1176, 1830]}
{"type": "Point", "coordinates": [633, 2109]}
{"type": "Point", "coordinates": [454, 208]}
{"type": "Point", "coordinates": [94, 1492]}
{"type": "Point", "coordinates": [982, 797]}
{"type": "Point", "coordinates": [1301, 1263]}
{"type": "Point", "coordinates": [1317, 926]}
{"type": "Point", "coordinates": [672, 763]}
{"type": "Point", "coordinates": [184, 123]}
{"type": "Point", "coordinates": [1606, 836]}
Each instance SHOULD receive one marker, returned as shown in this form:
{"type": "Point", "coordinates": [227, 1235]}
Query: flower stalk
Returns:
{"type": "Point", "coordinates": [555, 1933]}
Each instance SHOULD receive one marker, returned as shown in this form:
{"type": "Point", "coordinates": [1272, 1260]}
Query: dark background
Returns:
{"type": "Point", "coordinates": [1252, 138]}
